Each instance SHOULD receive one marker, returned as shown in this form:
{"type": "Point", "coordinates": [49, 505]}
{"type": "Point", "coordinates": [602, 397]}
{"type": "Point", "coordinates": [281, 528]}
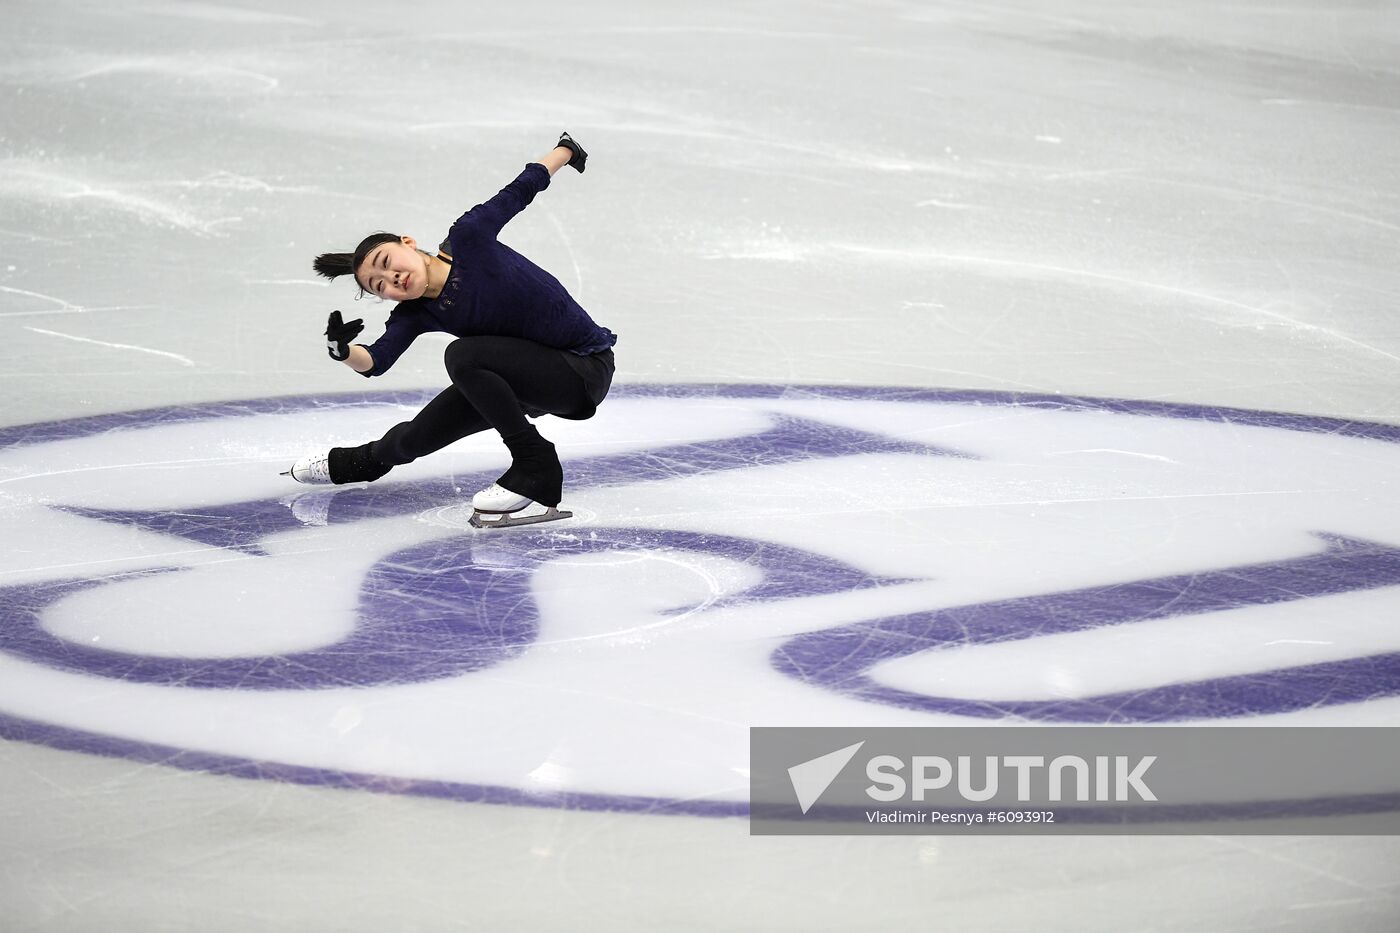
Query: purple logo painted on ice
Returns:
{"type": "Point", "coordinates": [453, 607]}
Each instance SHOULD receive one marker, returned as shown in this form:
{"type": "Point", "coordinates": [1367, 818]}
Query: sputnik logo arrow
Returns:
{"type": "Point", "coordinates": [811, 778]}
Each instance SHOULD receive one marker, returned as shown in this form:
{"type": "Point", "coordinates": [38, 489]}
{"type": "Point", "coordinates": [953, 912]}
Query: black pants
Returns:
{"type": "Point", "coordinates": [496, 381]}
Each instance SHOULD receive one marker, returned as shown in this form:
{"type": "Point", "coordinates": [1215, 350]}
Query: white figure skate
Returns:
{"type": "Point", "coordinates": [498, 507]}
{"type": "Point", "coordinates": [313, 469]}
{"type": "Point", "coordinates": [338, 466]}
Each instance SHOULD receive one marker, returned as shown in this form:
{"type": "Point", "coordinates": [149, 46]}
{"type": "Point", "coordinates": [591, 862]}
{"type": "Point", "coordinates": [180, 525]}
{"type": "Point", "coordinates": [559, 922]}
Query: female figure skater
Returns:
{"type": "Point", "coordinates": [524, 347]}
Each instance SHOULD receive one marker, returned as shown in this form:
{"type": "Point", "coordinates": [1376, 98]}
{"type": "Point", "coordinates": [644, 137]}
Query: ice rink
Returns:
{"type": "Point", "coordinates": [937, 323]}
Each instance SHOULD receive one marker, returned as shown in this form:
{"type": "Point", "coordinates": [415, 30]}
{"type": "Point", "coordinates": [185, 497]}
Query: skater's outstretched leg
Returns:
{"type": "Point", "coordinates": [447, 418]}
{"type": "Point", "coordinates": [339, 465]}
{"type": "Point", "coordinates": [495, 381]}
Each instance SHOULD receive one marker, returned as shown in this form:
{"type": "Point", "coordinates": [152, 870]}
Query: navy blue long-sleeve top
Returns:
{"type": "Point", "coordinates": [492, 290]}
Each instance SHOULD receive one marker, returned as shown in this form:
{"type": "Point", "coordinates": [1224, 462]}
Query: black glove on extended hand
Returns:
{"type": "Point", "coordinates": [580, 157]}
{"type": "Point", "coordinates": [339, 334]}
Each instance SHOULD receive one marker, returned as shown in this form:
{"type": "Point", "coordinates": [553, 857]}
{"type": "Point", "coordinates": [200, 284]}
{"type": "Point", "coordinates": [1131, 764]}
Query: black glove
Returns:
{"type": "Point", "coordinates": [580, 157]}
{"type": "Point", "coordinates": [339, 334]}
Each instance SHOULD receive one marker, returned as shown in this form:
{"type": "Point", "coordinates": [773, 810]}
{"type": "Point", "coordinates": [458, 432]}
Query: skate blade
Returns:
{"type": "Point", "coordinates": [482, 519]}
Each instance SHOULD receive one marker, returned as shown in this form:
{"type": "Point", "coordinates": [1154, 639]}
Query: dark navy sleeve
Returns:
{"type": "Point", "coordinates": [399, 332]}
{"type": "Point", "coordinates": [486, 220]}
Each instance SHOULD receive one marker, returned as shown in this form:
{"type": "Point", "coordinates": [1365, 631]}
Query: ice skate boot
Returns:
{"type": "Point", "coordinates": [338, 466]}
{"type": "Point", "coordinates": [534, 478]}
{"type": "Point", "coordinates": [498, 507]}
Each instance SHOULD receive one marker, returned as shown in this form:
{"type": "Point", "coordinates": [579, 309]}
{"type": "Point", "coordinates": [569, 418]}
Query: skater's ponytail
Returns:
{"type": "Point", "coordinates": [333, 265]}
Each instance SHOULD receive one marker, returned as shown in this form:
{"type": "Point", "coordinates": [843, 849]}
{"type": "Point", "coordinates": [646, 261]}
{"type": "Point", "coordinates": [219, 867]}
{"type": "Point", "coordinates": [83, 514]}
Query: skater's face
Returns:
{"type": "Point", "coordinates": [394, 271]}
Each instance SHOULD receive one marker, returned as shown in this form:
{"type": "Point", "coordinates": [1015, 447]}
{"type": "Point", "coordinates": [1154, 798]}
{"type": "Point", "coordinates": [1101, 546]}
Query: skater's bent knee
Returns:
{"type": "Point", "coordinates": [464, 353]}
{"type": "Point", "coordinates": [458, 353]}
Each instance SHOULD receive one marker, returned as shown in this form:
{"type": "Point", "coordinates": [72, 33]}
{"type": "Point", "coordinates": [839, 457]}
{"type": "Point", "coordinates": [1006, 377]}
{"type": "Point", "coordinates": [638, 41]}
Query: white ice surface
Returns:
{"type": "Point", "coordinates": [1181, 202]}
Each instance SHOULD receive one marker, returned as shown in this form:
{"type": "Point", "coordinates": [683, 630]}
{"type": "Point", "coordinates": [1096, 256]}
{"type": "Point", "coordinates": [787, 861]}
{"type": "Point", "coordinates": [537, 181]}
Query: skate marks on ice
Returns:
{"type": "Point", "coordinates": [749, 555]}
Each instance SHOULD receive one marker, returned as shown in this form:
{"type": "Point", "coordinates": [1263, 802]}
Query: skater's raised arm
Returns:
{"type": "Point", "coordinates": [486, 220]}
